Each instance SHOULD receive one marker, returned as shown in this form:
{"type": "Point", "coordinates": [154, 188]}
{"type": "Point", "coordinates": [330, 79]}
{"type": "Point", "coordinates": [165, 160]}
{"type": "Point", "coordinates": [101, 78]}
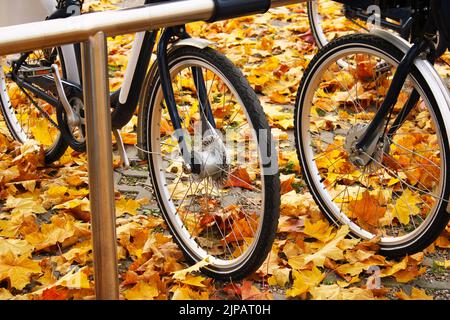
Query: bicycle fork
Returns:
{"type": "Point", "coordinates": [206, 115]}
{"type": "Point", "coordinates": [375, 130]}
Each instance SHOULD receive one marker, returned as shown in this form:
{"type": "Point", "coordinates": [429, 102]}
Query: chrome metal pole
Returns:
{"type": "Point", "coordinates": [99, 150]}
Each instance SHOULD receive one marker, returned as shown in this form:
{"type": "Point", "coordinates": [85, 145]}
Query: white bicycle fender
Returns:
{"type": "Point", "coordinates": [193, 42]}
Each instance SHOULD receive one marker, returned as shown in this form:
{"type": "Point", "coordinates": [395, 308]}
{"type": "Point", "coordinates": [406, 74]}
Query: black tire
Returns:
{"type": "Point", "coordinates": [441, 217]}
{"type": "Point", "coordinates": [52, 153]}
{"type": "Point", "coordinates": [259, 121]}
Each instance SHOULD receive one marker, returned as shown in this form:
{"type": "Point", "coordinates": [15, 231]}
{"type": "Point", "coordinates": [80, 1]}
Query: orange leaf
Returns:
{"type": "Point", "coordinates": [55, 294]}
{"type": "Point", "coordinates": [239, 178]}
{"type": "Point", "coordinates": [286, 184]}
{"type": "Point", "coordinates": [367, 210]}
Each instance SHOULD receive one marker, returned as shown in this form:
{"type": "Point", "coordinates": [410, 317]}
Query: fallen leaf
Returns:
{"type": "Point", "coordinates": [335, 292]}
{"type": "Point", "coordinates": [17, 269]}
{"type": "Point", "coordinates": [17, 247]}
{"type": "Point", "coordinates": [321, 230]}
{"type": "Point", "coordinates": [181, 275]}
{"type": "Point", "coordinates": [142, 291]}
{"type": "Point", "coordinates": [5, 294]}
{"type": "Point", "coordinates": [304, 281]}
{"type": "Point", "coordinates": [239, 178]}
{"type": "Point", "coordinates": [416, 294]}
{"type": "Point", "coordinates": [329, 250]}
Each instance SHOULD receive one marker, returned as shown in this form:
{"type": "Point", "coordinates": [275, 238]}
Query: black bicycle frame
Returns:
{"type": "Point", "coordinates": [399, 79]}
{"type": "Point", "coordinates": [401, 14]}
{"type": "Point", "coordinates": [421, 44]}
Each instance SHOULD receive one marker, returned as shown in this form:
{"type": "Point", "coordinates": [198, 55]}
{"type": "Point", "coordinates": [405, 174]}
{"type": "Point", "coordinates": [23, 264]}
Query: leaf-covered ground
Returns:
{"type": "Point", "coordinates": [45, 240]}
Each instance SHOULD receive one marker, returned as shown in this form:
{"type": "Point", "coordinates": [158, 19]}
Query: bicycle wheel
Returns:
{"type": "Point", "coordinates": [228, 212]}
{"type": "Point", "coordinates": [402, 193]}
{"type": "Point", "coordinates": [28, 117]}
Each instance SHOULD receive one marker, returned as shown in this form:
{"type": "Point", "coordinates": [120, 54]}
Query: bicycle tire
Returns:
{"type": "Point", "coordinates": [271, 181]}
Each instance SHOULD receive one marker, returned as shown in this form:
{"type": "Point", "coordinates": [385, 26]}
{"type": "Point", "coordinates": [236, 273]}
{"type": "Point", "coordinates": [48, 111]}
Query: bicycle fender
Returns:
{"type": "Point", "coordinates": [193, 42]}
{"type": "Point", "coordinates": [429, 72]}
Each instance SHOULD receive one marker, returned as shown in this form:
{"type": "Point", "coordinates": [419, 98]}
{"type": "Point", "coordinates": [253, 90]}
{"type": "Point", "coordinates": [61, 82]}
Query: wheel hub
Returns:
{"type": "Point", "coordinates": [212, 160]}
{"type": "Point", "coordinates": [371, 159]}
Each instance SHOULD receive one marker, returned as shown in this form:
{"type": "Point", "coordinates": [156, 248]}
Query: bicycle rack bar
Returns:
{"type": "Point", "coordinates": [101, 185]}
{"type": "Point", "coordinates": [91, 30]}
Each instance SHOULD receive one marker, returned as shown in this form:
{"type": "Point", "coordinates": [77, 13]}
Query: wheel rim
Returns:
{"type": "Point", "coordinates": [317, 177]}
{"type": "Point", "coordinates": [219, 261]}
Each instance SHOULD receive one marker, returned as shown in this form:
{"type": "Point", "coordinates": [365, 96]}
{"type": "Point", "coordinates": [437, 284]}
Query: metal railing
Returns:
{"type": "Point", "coordinates": [91, 30]}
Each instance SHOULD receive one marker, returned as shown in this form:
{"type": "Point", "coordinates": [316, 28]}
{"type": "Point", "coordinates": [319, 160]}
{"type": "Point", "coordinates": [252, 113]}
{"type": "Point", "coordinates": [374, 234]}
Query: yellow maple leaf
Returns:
{"type": "Point", "coordinates": [80, 253]}
{"type": "Point", "coordinates": [321, 230]}
{"type": "Point", "coordinates": [42, 132]}
{"type": "Point", "coordinates": [129, 206]}
{"type": "Point", "coordinates": [402, 265]}
{"type": "Point", "coordinates": [196, 281]}
{"type": "Point", "coordinates": [18, 224]}
{"type": "Point", "coordinates": [75, 279]}
{"type": "Point", "coordinates": [296, 204]}
{"type": "Point", "coordinates": [9, 173]}
{"type": "Point", "coordinates": [17, 269]}
{"type": "Point", "coordinates": [83, 204]}
{"type": "Point", "coordinates": [25, 204]}
{"type": "Point", "coordinates": [330, 292]}
{"type": "Point", "coordinates": [329, 250]}
{"type": "Point", "coordinates": [142, 291]}
{"type": "Point", "coordinates": [61, 228]}
{"type": "Point", "coordinates": [352, 269]}
{"type": "Point", "coordinates": [405, 207]}
{"type": "Point", "coordinates": [280, 277]}
{"type": "Point", "coordinates": [411, 273]}
{"type": "Point", "coordinates": [304, 281]}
